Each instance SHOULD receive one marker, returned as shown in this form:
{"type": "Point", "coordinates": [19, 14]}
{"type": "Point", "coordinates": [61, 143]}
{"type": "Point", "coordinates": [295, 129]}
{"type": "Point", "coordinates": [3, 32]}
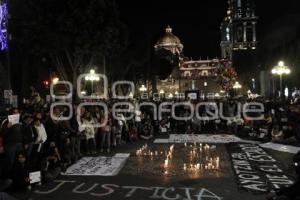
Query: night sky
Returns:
{"type": "Point", "coordinates": [196, 23]}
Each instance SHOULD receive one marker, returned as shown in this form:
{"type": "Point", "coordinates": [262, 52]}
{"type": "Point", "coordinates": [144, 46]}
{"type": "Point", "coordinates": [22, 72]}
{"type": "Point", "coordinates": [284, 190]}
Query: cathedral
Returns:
{"type": "Point", "coordinates": [210, 77]}
{"type": "Point", "coordinates": [238, 29]}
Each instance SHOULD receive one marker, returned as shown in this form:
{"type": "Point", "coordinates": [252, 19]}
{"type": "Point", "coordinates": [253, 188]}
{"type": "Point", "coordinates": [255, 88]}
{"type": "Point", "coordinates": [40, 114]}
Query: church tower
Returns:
{"type": "Point", "coordinates": [238, 29]}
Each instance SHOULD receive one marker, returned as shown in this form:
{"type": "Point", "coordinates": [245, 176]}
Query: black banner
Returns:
{"type": "Point", "coordinates": [256, 170]}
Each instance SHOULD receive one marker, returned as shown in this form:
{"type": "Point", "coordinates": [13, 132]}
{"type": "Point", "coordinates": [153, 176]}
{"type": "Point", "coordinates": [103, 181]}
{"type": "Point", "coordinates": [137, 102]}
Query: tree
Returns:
{"type": "Point", "coordinates": [71, 35]}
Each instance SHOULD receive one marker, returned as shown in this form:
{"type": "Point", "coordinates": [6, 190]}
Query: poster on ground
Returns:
{"type": "Point", "coordinates": [98, 166]}
{"type": "Point", "coordinates": [256, 170]}
{"type": "Point", "coordinates": [201, 138]}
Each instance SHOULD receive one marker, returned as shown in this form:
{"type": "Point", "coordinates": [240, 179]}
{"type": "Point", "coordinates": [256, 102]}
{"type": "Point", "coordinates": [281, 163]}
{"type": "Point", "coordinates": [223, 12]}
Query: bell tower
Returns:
{"type": "Point", "coordinates": [238, 29]}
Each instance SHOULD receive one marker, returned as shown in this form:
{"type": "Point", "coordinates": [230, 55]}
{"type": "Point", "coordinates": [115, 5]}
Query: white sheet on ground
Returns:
{"type": "Point", "coordinates": [281, 147]}
{"type": "Point", "coordinates": [202, 138]}
{"type": "Point", "coordinates": [98, 166]}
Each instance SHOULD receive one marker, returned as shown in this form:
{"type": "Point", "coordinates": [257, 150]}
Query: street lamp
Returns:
{"type": "Point", "coordinates": [170, 96]}
{"type": "Point", "coordinates": [92, 77]}
{"type": "Point", "coordinates": [55, 80]}
{"type": "Point", "coordinates": [143, 88]}
{"type": "Point", "coordinates": [253, 84]}
{"type": "Point", "coordinates": [280, 70]}
{"type": "Point", "coordinates": [237, 85]}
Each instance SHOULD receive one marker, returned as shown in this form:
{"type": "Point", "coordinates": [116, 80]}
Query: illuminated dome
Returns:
{"type": "Point", "coordinates": [170, 42]}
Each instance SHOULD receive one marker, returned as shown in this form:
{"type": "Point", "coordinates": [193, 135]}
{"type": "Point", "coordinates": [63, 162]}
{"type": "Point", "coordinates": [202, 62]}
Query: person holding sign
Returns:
{"type": "Point", "coordinates": [13, 138]}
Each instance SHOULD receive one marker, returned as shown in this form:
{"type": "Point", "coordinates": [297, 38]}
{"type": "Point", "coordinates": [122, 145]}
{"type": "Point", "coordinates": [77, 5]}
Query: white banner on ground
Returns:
{"type": "Point", "coordinates": [202, 138]}
{"type": "Point", "coordinates": [98, 166]}
{"type": "Point", "coordinates": [281, 147]}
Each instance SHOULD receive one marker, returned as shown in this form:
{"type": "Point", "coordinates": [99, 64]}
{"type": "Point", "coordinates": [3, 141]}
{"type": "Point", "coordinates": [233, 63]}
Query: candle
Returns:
{"type": "Point", "coordinates": [184, 167]}
{"type": "Point", "coordinates": [166, 162]}
{"type": "Point", "coordinates": [217, 162]}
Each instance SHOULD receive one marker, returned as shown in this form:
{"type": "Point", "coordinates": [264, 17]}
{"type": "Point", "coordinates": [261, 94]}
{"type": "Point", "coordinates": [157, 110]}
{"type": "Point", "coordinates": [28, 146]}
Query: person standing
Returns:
{"type": "Point", "coordinates": [41, 138]}
{"type": "Point", "coordinates": [13, 139]}
{"type": "Point", "coordinates": [105, 132]}
{"type": "Point", "coordinates": [88, 125]}
{"type": "Point", "coordinates": [29, 135]}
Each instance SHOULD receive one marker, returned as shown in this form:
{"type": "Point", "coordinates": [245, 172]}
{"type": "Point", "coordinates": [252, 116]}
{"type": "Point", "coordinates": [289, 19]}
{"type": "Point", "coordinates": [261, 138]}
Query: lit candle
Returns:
{"type": "Point", "coordinates": [166, 162]}
{"type": "Point", "coordinates": [217, 162]}
{"type": "Point", "coordinates": [184, 167]}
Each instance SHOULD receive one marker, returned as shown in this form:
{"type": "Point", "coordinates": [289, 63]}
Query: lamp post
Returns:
{"type": "Point", "coordinates": [143, 90]}
{"type": "Point", "coordinates": [237, 86]}
{"type": "Point", "coordinates": [92, 77]}
{"type": "Point", "coordinates": [280, 70]}
{"type": "Point", "coordinates": [162, 93]}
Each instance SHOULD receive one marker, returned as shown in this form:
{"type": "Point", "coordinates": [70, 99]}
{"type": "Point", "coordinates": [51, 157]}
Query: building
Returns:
{"type": "Point", "coordinates": [238, 29]}
{"type": "Point", "coordinates": [202, 76]}
{"type": "Point", "coordinates": [239, 39]}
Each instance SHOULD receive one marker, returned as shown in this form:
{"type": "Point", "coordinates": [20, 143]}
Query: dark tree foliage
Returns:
{"type": "Point", "coordinates": [165, 61]}
{"type": "Point", "coordinates": [67, 36]}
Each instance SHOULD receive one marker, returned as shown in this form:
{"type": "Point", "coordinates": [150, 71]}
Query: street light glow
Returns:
{"type": "Point", "coordinates": [143, 88]}
{"type": "Point", "coordinates": [281, 69]}
{"type": "Point", "coordinates": [237, 85]}
{"type": "Point", "coordinates": [92, 76]}
{"type": "Point", "coordinates": [281, 63]}
{"type": "Point", "coordinates": [55, 80]}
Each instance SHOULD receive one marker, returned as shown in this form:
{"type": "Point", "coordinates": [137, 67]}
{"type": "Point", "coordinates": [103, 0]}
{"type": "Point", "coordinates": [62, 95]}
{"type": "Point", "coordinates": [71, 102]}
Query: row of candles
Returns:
{"type": "Point", "coordinates": [212, 163]}
{"type": "Point", "coordinates": [144, 152]}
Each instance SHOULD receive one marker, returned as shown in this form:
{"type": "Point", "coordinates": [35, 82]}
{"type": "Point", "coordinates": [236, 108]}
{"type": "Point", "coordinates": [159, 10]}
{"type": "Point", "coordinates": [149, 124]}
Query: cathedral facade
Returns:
{"type": "Point", "coordinates": [201, 76]}
{"type": "Point", "coordinates": [238, 35]}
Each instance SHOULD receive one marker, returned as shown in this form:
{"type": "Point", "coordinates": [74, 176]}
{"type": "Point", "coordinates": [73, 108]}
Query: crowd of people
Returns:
{"type": "Point", "coordinates": [51, 144]}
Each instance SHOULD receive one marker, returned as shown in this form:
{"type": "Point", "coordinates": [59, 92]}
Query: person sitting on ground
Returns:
{"type": "Point", "coordinates": [53, 163]}
{"type": "Point", "coordinates": [147, 133]}
{"type": "Point", "coordinates": [164, 125]}
{"type": "Point", "coordinates": [4, 182]}
{"type": "Point", "coordinates": [189, 130]}
{"type": "Point", "coordinates": [66, 152]}
{"type": "Point", "coordinates": [20, 172]}
{"type": "Point", "coordinates": [133, 132]}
